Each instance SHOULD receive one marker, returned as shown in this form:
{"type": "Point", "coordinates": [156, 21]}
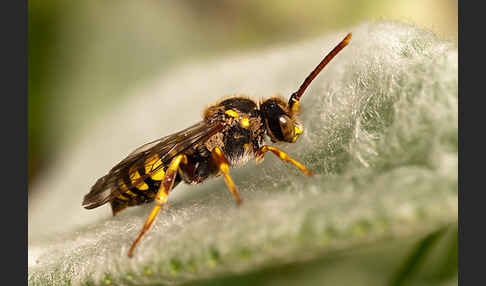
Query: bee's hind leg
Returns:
{"type": "Point", "coordinates": [221, 162]}
{"type": "Point", "coordinates": [161, 196]}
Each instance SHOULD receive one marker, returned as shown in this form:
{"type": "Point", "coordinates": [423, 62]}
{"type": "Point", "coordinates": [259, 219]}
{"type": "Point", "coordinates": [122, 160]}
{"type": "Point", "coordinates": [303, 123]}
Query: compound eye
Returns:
{"type": "Point", "coordinates": [287, 127]}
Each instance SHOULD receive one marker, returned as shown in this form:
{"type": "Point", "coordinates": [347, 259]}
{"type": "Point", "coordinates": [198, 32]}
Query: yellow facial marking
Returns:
{"type": "Point", "coordinates": [246, 146]}
{"type": "Point", "coordinates": [297, 131]}
{"type": "Point", "coordinates": [232, 113]}
{"type": "Point", "coordinates": [133, 177]}
{"type": "Point", "coordinates": [245, 122]}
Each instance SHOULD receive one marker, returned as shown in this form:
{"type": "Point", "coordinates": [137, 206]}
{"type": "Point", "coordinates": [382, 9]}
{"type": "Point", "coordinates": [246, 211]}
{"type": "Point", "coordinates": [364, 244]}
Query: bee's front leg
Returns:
{"type": "Point", "coordinates": [259, 154]}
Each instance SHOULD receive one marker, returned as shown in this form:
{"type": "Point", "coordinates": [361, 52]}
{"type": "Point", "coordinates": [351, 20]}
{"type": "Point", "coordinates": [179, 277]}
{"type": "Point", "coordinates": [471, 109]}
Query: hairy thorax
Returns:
{"type": "Point", "coordinates": [244, 130]}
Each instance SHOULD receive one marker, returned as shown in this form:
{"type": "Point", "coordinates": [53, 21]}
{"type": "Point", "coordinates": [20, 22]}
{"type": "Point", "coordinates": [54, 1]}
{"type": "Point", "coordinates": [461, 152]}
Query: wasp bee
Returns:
{"type": "Point", "coordinates": [231, 132]}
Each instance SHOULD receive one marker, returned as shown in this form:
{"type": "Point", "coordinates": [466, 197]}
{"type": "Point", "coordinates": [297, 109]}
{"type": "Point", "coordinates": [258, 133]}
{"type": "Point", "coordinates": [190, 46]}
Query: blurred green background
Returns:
{"type": "Point", "coordinates": [84, 55]}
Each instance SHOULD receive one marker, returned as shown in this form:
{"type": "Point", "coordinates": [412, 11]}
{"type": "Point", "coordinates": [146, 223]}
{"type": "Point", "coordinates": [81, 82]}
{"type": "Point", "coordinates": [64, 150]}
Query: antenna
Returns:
{"type": "Point", "coordinates": [295, 97]}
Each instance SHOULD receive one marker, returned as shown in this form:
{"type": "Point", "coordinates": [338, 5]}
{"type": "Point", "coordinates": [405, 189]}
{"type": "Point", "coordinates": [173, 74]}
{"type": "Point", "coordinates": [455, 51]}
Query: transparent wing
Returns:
{"type": "Point", "coordinates": [165, 148]}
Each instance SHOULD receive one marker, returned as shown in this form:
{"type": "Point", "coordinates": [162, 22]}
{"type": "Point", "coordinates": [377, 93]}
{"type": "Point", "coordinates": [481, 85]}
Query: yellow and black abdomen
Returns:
{"type": "Point", "coordinates": [145, 191]}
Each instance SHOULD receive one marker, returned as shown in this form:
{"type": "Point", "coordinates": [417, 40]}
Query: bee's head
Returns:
{"type": "Point", "coordinates": [280, 117]}
{"type": "Point", "coordinates": [281, 123]}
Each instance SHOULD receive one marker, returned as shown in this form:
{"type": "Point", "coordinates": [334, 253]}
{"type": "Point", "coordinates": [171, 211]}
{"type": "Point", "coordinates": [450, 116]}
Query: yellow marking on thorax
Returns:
{"type": "Point", "coordinates": [245, 122]}
{"type": "Point", "coordinates": [151, 164]}
{"type": "Point", "coordinates": [232, 113]}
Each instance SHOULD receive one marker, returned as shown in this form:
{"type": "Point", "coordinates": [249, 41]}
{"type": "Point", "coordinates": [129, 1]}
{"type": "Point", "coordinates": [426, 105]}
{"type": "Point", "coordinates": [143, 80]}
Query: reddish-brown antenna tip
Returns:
{"type": "Point", "coordinates": [347, 39]}
{"type": "Point", "coordinates": [295, 97]}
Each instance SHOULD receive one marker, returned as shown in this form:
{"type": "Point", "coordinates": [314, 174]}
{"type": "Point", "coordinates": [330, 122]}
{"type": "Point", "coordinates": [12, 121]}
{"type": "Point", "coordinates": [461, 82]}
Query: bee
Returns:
{"type": "Point", "coordinates": [231, 133]}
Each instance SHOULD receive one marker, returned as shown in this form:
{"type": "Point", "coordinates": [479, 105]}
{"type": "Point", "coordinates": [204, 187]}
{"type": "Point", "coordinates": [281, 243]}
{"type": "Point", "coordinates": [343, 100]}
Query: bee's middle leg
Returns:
{"type": "Point", "coordinates": [221, 162]}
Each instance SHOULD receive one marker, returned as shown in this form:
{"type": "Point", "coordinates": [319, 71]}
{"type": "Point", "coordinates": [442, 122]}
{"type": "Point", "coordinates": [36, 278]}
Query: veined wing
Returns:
{"type": "Point", "coordinates": [151, 157]}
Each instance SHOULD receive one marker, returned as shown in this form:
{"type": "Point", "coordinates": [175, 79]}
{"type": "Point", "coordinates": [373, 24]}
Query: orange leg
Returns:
{"type": "Point", "coordinates": [283, 156]}
{"type": "Point", "coordinates": [220, 160]}
{"type": "Point", "coordinates": [161, 197]}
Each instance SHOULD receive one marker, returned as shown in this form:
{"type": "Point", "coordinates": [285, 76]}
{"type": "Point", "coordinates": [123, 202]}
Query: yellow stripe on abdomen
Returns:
{"type": "Point", "coordinates": [134, 176]}
{"type": "Point", "coordinates": [122, 198]}
{"type": "Point", "coordinates": [125, 190]}
{"type": "Point", "coordinates": [151, 164]}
